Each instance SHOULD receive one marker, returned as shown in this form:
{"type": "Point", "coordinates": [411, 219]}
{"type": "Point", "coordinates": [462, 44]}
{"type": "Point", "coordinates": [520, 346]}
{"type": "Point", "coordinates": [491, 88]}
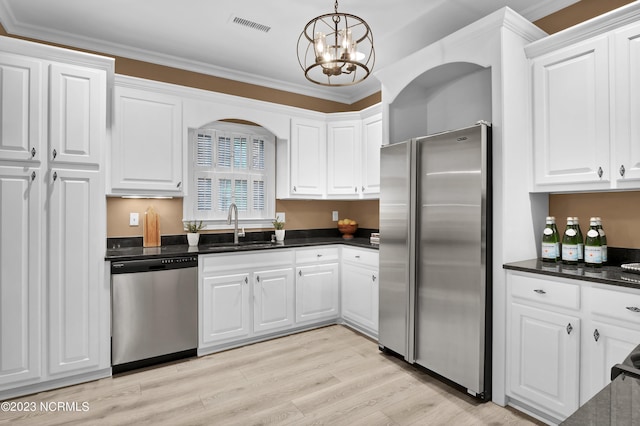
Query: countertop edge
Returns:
{"type": "Point", "coordinates": [611, 275]}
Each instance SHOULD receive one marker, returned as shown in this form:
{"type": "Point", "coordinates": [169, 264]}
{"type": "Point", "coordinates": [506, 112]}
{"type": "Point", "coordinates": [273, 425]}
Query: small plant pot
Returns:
{"type": "Point", "coordinates": [280, 234]}
{"type": "Point", "coordinates": [193, 238]}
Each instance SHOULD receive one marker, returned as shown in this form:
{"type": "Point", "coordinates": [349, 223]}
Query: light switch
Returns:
{"type": "Point", "coordinates": [133, 219]}
{"type": "Point", "coordinates": [334, 216]}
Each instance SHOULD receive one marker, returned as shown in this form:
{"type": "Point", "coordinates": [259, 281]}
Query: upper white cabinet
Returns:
{"type": "Point", "coordinates": [146, 153]}
{"type": "Point", "coordinates": [370, 156]}
{"type": "Point", "coordinates": [21, 103]}
{"type": "Point", "coordinates": [585, 94]}
{"type": "Point", "coordinates": [308, 158]}
{"type": "Point", "coordinates": [77, 114]}
{"type": "Point", "coordinates": [343, 167]}
{"type": "Point", "coordinates": [571, 115]}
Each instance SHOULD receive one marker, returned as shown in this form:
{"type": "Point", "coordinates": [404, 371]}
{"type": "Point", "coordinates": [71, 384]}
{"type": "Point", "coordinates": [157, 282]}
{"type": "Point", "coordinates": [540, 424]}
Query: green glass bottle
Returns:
{"type": "Point", "coordinates": [550, 241]}
{"type": "Point", "coordinates": [557, 234]}
{"type": "Point", "coordinates": [576, 224]}
{"type": "Point", "coordinates": [570, 244]}
{"type": "Point", "coordinates": [593, 245]}
{"type": "Point", "coordinates": [603, 240]}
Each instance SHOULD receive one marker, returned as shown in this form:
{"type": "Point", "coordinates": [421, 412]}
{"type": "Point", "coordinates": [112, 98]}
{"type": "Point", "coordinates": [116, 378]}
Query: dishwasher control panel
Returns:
{"type": "Point", "coordinates": [153, 264]}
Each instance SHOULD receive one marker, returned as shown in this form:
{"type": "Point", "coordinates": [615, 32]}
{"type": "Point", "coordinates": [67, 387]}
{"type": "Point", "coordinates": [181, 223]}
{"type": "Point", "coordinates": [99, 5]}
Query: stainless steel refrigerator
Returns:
{"type": "Point", "coordinates": [435, 255]}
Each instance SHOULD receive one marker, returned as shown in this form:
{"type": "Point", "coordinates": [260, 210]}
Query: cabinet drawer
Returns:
{"type": "Point", "coordinates": [360, 256]}
{"type": "Point", "coordinates": [615, 304]}
{"type": "Point", "coordinates": [247, 260]}
{"type": "Point", "coordinates": [546, 291]}
{"type": "Point", "coordinates": [317, 254]}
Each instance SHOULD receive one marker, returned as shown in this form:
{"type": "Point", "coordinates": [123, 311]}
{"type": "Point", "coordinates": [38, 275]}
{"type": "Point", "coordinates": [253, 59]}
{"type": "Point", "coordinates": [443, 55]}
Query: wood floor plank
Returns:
{"type": "Point", "coordinates": [331, 375]}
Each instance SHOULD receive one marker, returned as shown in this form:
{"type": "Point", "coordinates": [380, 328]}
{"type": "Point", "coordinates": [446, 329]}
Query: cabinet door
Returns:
{"type": "Point", "coordinates": [543, 359]}
{"type": "Point", "coordinates": [371, 143]}
{"type": "Point", "coordinates": [317, 296]}
{"type": "Point", "coordinates": [76, 258]}
{"type": "Point", "coordinates": [360, 296]}
{"type": "Point", "coordinates": [147, 149]}
{"type": "Point", "coordinates": [571, 115]}
{"type": "Point", "coordinates": [605, 346]}
{"type": "Point", "coordinates": [225, 308]}
{"type": "Point", "coordinates": [77, 114]}
{"type": "Point", "coordinates": [627, 107]}
{"type": "Point", "coordinates": [20, 269]}
{"type": "Point", "coordinates": [21, 127]}
{"type": "Point", "coordinates": [343, 158]}
{"type": "Point", "coordinates": [273, 305]}
{"type": "Point", "coordinates": [308, 157]}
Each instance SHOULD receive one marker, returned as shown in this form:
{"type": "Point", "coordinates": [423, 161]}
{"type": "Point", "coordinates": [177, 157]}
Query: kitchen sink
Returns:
{"type": "Point", "coordinates": [243, 245]}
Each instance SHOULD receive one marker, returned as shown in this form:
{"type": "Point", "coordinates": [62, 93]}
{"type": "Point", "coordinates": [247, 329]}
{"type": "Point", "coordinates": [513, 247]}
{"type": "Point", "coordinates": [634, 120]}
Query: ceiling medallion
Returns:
{"type": "Point", "coordinates": [336, 49]}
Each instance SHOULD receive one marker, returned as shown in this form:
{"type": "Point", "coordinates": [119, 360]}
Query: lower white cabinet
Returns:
{"type": "Point", "coordinates": [563, 337]}
{"type": "Point", "coordinates": [317, 284]}
{"type": "Point", "coordinates": [359, 288]}
{"type": "Point", "coordinates": [242, 295]}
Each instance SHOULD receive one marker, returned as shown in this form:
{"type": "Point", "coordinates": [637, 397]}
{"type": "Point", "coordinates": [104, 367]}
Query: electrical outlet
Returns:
{"type": "Point", "coordinates": [334, 216]}
{"type": "Point", "coordinates": [134, 219]}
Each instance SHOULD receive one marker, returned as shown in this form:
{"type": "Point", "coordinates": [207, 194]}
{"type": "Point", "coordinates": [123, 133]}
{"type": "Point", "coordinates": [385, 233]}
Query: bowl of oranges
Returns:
{"type": "Point", "coordinates": [347, 227]}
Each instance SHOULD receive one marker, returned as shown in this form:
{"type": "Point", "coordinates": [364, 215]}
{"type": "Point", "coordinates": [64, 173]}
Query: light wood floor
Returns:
{"type": "Point", "coordinates": [328, 376]}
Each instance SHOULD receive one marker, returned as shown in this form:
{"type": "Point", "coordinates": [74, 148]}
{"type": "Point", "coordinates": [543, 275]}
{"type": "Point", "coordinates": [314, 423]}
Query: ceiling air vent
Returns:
{"type": "Point", "coordinates": [250, 24]}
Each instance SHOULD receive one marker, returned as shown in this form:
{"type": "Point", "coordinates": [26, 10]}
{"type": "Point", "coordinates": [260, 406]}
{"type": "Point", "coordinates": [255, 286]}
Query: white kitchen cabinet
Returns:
{"type": "Point", "coordinates": [626, 167]}
{"type": "Point", "coordinates": [21, 126]}
{"type": "Point", "coordinates": [612, 330]}
{"type": "Point", "coordinates": [243, 295]}
{"type": "Point", "coordinates": [273, 292]}
{"type": "Point", "coordinates": [75, 252]}
{"type": "Point", "coordinates": [343, 155]}
{"type": "Point", "coordinates": [147, 150]}
{"type": "Point", "coordinates": [308, 158]}
{"type": "Point", "coordinates": [77, 114]}
{"type": "Point", "coordinates": [55, 296]}
{"type": "Point", "coordinates": [317, 284]}
{"type": "Point", "coordinates": [571, 116]}
{"type": "Point", "coordinates": [370, 156]}
{"type": "Point", "coordinates": [544, 359]}
{"type": "Point", "coordinates": [224, 303]}
{"type": "Point", "coordinates": [20, 275]}
{"type": "Point", "coordinates": [359, 288]}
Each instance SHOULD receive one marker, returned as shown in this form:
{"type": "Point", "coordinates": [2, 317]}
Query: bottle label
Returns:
{"type": "Point", "coordinates": [549, 251]}
{"type": "Point", "coordinates": [593, 254]}
{"type": "Point", "coordinates": [571, 232]}
{"type": "Point", "coordinates": [592, 233]}
{"type": "Point", "coordinates": [548, 231]}
{"type": "Point", "coordinates": [570, 252]}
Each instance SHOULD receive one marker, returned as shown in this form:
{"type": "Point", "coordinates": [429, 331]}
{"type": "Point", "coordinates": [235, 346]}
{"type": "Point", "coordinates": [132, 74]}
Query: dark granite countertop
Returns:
{"type": "Point", "coordinates": [613, 275]}
{"type": "Point", "coordinates": [126, 249]}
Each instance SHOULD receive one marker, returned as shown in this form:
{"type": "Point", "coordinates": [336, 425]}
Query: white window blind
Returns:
{"type": "Point", "coordinates": [231, 164]}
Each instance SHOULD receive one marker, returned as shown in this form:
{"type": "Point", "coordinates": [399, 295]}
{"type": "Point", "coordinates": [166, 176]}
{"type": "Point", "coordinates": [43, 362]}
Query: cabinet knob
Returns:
{"type": "Point", "coordinates": [295, 189]}
{"type": "Point", "coordinates": [33, 152]}
{"type": "Point", "coordinates": [246, 280]}
{"type": "Point", "coordinates": [318, 255]}
{"type": "Point", "coordinates": [355, 188]}
{"type": "Point", "coordinates": [540, 291]}
{"type": "Point", "coordinates": [363, 189]}
{"type": "Point", "coordinates": [596, 335]}
{"type": "Point", "coordinates": [633, 308]}
{"type": "Point", "coordinates": [258, 278]}
{"type": "Point", "coordinates": [300, 273]}
{"type": "Point", "coordinates": [33, 176]}
{"type": "Point", "coordinates": [622, 170]}
{"type": "Point", "coordinates": [569, 328]}
{"type": "Point", "coordinates": [600, 172]}
{"type": "Point", "coordinates": [373, 278]}
{"type": "Point", "coordinates": [179, 185]}
{"type": "Point", "coordinates": [55, 153]}
{"type": "Point", "coordinates": [55, 175]}
{"type": "Point", "coordinates": [357, 256]}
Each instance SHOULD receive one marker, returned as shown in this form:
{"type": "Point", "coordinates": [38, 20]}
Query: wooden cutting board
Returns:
{"type": "Point", "coordinates": [151, 229]}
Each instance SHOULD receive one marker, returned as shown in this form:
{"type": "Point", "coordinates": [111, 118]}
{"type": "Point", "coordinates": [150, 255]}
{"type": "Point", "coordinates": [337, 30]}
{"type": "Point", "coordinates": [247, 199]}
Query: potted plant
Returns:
{"type": "Point", "coordinates": [193, 228]}
{"type": "Point", "coordinates": [279, 227]}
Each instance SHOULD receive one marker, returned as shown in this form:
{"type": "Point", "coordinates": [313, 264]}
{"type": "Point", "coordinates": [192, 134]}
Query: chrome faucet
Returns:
{"type": "Point", "coordinates": [234, 209]}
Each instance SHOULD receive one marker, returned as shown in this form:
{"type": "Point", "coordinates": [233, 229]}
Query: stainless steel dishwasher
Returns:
{"type": "Point", "coordinates": [154, 305]}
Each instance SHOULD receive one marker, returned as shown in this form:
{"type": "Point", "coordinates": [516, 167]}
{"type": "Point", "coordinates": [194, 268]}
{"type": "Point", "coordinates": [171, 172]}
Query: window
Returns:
{"type": "Point", "coordinates": [231, 163]}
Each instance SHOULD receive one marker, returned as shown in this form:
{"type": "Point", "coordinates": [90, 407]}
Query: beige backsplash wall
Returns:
{"type": "Point", "coordinates": [620, 213]}
{"type": "Point", "coordinates": [300, 214]}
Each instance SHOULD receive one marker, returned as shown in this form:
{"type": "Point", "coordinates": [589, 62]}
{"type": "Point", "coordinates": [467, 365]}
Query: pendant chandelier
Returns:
{"type": "Point", "coordinates": [336, 49]}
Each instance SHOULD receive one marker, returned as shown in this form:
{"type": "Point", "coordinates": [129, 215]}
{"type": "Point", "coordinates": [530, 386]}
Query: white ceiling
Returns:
{"type": "Point", "coordinates": [199, 35]}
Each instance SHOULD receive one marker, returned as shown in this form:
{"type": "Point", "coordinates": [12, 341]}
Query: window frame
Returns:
{"type": "Point", "coordinates": [216, 218]}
